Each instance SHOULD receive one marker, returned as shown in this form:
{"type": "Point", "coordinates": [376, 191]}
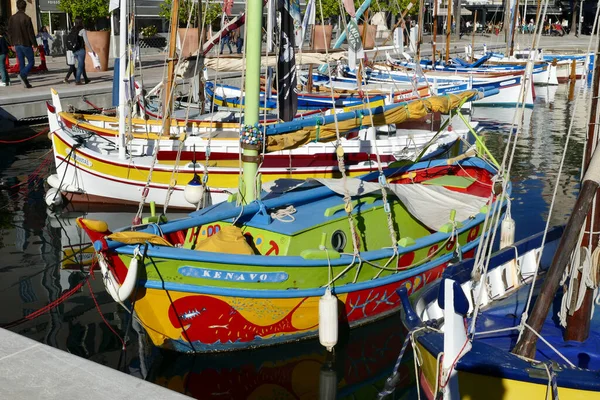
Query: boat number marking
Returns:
{"type": "Point", "coordinates": [81, 160]}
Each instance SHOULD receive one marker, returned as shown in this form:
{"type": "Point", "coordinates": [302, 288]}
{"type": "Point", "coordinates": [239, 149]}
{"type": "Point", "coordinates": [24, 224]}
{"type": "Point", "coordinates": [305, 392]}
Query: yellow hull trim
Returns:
{"type": "Point", "coordinates": [475, 386]}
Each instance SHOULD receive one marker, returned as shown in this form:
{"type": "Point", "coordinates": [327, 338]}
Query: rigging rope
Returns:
{"type": "Point", "coordinates": [484, 251]}
{"type": "Point", "coordinates": [525, 314]}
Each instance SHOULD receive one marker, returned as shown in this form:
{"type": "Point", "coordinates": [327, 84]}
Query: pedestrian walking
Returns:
{"type": "Point", "coordinates": [225, 40]}
{"type": "Point", "coordinates": [5, 80]}
{"type": "Point", "coordinates": [22, 36]}
{"type": "Point", "coordinates": [45, 37]}
{"type": "Point", "coordinates": [77, 41]}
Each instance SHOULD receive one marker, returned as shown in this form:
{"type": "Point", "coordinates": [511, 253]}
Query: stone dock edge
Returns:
{"type": "Point", "coordinates": [33, 370]}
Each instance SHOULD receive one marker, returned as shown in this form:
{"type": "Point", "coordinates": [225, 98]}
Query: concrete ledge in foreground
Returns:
{"type": "Point", "coordinates": [32, 370]}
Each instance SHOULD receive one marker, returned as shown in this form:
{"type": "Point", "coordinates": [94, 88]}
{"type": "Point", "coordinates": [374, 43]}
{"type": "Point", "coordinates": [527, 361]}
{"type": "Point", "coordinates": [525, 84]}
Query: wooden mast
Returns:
{"type": "Point", "coordinates": [514, 28]}
{"type": "Point", "coordinates": [168, 100]}
{"type": "Point", "coordinates": [448, 30]}
{"type": "Point", "coordinates": [526, 345]}
{"type": "Point", "coordinates": [474, 25]}
{"type": "Point", "coordinates": [578, 323]}
{"type": "Point", "coordinates": [420, 24]}
{"type": "Point", "coordinates": [435, 22]}
{"type": "Point", "coordinates": [363, 40]}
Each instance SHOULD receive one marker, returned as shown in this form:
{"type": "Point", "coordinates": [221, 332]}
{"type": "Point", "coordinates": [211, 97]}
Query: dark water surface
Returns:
{"type": "Point", "coordinates": [88, 323]}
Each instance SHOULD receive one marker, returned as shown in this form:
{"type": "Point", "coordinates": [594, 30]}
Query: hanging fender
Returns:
{"type": "Point", "coordinates": [120, 293]}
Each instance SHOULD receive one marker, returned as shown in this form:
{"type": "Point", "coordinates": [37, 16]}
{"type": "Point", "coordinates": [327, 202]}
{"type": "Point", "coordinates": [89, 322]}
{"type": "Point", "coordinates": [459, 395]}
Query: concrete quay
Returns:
{"type": "Point", "coordinates": [32, 370]}
{"type": "Point", "coordinates": [20, 106]}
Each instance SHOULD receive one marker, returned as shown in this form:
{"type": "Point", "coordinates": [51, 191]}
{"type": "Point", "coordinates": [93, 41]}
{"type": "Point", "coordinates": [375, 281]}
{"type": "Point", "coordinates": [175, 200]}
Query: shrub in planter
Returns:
{"type": "Point", "coordinates": [95, 15]}
{"type": "Point", "coordinates": [148, 31]}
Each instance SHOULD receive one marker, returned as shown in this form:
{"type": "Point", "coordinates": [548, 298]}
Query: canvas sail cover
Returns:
{"type": "Point", "coordinates": [227, 64]}
{"type": "Point", "coordinates": [415, 109]}
{"type": "Point", "coordinates": [439, 201]}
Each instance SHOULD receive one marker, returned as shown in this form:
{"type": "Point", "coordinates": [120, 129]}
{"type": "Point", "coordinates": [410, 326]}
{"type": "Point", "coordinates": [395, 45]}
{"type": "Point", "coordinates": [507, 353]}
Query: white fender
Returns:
{"type": "Point", "coordinates": [529, 263]}
{"type": "Point", "coordinates": [119, 293]}
{"type": "Point", "coordinates": [328, 320]}
{"type": "Point", "coordinates": [54, 182]}
{"type": "Point", "coordinates": [496, 281]}
{"type": "Point", "coordinates": [53, 198]}
{"type": "Point", "coordinates": [507, 239]}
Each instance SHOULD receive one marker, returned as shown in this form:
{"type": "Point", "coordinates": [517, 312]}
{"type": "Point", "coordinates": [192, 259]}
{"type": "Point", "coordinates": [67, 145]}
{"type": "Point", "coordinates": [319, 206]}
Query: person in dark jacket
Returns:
{"type": "Point", "coordinates": [5, 81]}
{"type": "Point", "coordinates": [22, 36]}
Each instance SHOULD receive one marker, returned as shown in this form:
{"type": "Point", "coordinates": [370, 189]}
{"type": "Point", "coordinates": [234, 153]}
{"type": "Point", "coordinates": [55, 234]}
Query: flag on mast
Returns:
{"type": "Point", "coordinates": [287, 91]}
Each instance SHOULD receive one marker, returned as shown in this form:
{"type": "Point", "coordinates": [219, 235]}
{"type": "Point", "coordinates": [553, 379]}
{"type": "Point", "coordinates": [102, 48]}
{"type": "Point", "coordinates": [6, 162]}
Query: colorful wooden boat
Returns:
{"type": "Point", "coordinates": [487, 360]}
{"type": "Point", "coordinates": [507, 84]}
{"type": "Point", "coordinates": [231, 96]}
{"type": "Point", "coordinates": [476, 330]}
{"type": "Point", "coordinates": [230, 278]}
{"type": "Point", "coordinates": [90, 169]}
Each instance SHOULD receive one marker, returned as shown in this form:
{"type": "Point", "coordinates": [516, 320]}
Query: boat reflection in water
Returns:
{"type": "Point", "coordinates": [358, 368]}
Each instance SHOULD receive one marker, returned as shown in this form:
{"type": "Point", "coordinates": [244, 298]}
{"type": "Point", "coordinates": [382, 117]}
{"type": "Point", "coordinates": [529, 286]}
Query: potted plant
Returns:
{"type": "Point", "coordinates": [149, 37]}
{"type": "Point", "coordinates": [322, 32]}
{"type": "Point", "coordinates": [95, 18]}
{"type": "Point", "coordinates": [188, 9]}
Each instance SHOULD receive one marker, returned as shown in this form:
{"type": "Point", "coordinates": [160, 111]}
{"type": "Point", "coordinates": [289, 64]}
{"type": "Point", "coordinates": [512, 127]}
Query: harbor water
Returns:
{"type": "Point", "coordinates": [44, 260]}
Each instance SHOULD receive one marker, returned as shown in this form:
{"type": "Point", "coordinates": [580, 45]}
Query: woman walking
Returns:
{"type": "Point", "coordinates": [45, 37]}
{"type": "Point", "coordinates": [77, 41]}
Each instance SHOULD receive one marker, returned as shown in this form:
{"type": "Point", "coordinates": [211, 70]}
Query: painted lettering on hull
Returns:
{"type": "Point", "coordinates": [232, 276]}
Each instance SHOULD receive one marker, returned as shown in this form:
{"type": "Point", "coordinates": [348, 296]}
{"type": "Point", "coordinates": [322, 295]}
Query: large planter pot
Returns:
{"type": "Point", "coordinates": [187, 41]}
{"type": "Point", "coordinates": [370, 39]}
{"type": "Point", "coordinates": [318, 42]}
{"type": "Point", "coordinates": [100, 41]}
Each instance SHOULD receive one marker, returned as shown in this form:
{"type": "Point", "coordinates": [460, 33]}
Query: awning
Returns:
{"type": "Point", "coordinates": [443, 12]}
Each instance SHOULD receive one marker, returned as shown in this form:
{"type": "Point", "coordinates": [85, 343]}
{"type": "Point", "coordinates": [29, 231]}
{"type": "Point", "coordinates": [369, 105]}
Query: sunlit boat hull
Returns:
{"type": "Point", "coordinates": [198, 301]}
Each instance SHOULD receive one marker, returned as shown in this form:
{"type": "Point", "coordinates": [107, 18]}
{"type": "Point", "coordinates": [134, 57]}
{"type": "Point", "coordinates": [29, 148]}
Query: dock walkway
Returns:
{"type": "Point", "coordinates": [32, 370]}
{"type": "Point", "coordinates": [19, 105]}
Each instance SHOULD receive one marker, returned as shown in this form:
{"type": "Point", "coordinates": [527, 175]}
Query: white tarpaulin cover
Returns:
{"type": "Point", "coordinates": [226, 64]}
{"type": "Point", "coordinates": [429, 204]}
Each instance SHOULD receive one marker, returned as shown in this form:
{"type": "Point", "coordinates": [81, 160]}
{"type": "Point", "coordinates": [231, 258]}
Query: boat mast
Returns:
{"type": "Point", "coordinates": [435, 22]}
{"type": "Point", "coordinates": [252, 97]}
{"type": "Point", "coordinates": [448, 30]}
{"type": "Point", "coordinates": [568, 242]}
{"type": "Point", "coordinates": [122, 72]}
{"type": "Point", "coordinates": [474, 28]}
{"type": "Point", "coordinates": [420, 35]}
{"type": "Point", "coordinates": [514, 28]}
{"type": "Point", "coordinates": [578, 323]}
{"type": "Point", "coordinates": [168, 100]}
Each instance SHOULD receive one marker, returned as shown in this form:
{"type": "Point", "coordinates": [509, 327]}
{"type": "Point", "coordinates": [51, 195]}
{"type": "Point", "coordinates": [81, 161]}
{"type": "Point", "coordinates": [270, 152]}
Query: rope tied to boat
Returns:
{"type": "Point", "coordinates": [391, 382]}
{"type": "Point", "coordinates": [284, 214]}
{"type": "Point", "coordinates": [552, 385]}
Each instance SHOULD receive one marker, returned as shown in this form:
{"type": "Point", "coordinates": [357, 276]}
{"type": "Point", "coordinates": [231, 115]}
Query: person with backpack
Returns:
{"type": "Point", "coordinates": [22, 36]}
{"type": "Point", "coordinates": [77, 41]}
